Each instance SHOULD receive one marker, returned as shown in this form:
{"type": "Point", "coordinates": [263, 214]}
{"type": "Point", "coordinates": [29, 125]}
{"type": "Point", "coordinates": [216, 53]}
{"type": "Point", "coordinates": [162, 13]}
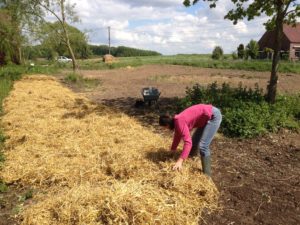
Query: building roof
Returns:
{"type": "Point", "coordinates": [292, 33]}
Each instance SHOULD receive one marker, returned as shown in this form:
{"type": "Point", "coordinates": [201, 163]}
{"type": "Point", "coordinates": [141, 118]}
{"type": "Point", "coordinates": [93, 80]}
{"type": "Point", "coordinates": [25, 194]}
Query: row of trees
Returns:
{"type": "Point", "coordinates": [121, 51]}
{"type": "Point", "coordinates": [50, 48]}
{"type": "Point", "coordinates": [250, 51]}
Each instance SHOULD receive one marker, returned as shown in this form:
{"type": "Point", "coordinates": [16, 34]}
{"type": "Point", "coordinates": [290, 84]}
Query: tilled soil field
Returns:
{"type": "Point", "coordinates": [172, 80]}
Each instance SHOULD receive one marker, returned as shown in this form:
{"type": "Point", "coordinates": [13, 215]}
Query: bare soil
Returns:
{"type": "Point", "coordinates": [259, 179]}
{"type": "Point", "coordinates": [172, 80]}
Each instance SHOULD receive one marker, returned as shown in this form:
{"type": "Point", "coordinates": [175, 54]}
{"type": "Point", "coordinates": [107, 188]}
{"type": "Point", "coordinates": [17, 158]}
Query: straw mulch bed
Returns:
{"type": "Point", "coordinates": [90, 165]}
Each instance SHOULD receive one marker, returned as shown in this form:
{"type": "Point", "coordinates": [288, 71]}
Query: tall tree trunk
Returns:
{"type": "Point", "coordinates": [20, 55]}
{"type": "Point", "coordinates": [62, 5]}
{"type": "Point", "coordinates": [71, 53]}
{"type": "Point", "coordinates": [272, 87]}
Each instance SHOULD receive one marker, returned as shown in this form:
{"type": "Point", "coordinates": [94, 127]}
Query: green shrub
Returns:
{"type": "Point", "coordinates": [245, 111]}
{"type": "Point", "coordinates": [3, 187]}
{"type": "Point", "coordinates": [217, 53]}
{"type": "Point", "coordinates": [241, 51]}
{"type": "Point", "coordinates": [224, 96]}
{"type": "Point", "coordinates": [73, 77]}
{"type": "Point", "coordinates": [234, 56]}
{"type": "Point", "coordinates": [11, 73]}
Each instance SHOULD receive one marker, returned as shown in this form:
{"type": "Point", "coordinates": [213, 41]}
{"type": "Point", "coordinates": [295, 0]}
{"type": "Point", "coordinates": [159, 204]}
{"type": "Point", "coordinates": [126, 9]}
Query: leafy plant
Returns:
{"type": "Point", "coordinates": [3, 187]}
{"type": "Point", "coordinates": [245, 111]}
{"type": "Point", "coordinates": [252, 49]}
{"type": "Point", "coordinates": [27, 195]}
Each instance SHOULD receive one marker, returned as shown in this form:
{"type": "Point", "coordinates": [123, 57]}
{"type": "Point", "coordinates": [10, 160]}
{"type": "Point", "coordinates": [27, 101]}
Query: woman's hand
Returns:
{"type": "Point", "coordinates": [178, 165]}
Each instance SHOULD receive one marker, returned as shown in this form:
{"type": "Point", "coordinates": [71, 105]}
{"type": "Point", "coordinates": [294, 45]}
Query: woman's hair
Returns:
{"type": "Point", "coordinates": [166, 120]}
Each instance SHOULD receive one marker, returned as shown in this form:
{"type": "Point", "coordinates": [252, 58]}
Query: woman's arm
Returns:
{"type": "Point", "coordinates": [176, 140]}
{"type": "Point", "coordinates": [184, 132]}
{"type": "Point", "coordinates": [187, 142]}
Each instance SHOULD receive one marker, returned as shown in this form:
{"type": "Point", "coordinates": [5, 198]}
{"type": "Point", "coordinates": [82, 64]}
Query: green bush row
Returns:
{"type": "Point", "coordinates": [245, 111]}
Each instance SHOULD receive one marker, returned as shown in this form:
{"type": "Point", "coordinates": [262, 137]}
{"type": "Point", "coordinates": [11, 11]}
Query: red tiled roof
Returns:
{"type": "Point", "coordinates": [292, 33]}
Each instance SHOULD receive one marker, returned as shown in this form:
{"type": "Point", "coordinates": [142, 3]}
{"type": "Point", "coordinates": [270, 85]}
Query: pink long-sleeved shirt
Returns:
{"type": "Point", "coordinates": [195, 116]}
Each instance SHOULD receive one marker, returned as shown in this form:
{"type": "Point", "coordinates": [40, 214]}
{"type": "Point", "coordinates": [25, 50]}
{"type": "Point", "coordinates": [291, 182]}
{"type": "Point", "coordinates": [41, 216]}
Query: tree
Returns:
{"type": "Point", "coordinates": [6, 34]}
{"type": "Point", "coordinates": [217, 53]}
{"type": "Point", "coordinates": [241, 51]}
{"type": "Point", "coordinates": [279, 12]}
{"type": "Point", "coordinates": [62, 11]}
{"type": "Point", "coordinates": [54, 46]}
{"type": "Point", "coordinates": [16, 14]}
{"type": "Point", "coordinates": [252, 49]}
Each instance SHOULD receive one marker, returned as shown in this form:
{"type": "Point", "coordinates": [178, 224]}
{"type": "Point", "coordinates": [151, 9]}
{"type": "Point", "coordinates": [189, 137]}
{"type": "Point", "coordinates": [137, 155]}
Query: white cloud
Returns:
{"type": "Point", "coordinates": [164, 25]}
{"type": "Point", "coordinates": [153, 3]}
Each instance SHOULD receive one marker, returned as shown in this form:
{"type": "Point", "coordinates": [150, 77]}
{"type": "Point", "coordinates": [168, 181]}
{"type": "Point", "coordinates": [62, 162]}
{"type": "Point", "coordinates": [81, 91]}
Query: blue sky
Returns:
{"type": "Point", "coordinates": [165, 26]}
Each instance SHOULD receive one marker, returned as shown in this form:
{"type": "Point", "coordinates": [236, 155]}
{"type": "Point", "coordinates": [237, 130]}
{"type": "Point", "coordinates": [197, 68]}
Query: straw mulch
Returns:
{"type": "Point", "coordinates": [90, 165]}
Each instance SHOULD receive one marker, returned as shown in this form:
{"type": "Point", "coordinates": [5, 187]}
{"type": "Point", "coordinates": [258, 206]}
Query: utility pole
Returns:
{"type": "Point", "coordinates": [109, 40]}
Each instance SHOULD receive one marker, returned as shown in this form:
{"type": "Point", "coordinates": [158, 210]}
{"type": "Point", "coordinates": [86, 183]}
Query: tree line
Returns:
{"type": "Point", "coordinates": [251, 51]}
{"type": "Point", "coordinates": [121, 51]}
{"type": "Point", "coordinates": [50, 49]}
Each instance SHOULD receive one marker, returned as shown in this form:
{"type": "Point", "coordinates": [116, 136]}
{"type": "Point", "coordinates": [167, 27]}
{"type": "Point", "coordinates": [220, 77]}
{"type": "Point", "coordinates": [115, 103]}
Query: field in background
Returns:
{"type": "Point", "coordinates": [203, 61]}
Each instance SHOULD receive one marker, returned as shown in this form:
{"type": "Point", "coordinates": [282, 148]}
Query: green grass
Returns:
{"type": "Point", "coordinates": [195, 60]}
{"type": "Point", "coordinates": [203, 61]}
{"type": "Point", "coordinates": [80, 82]}
{"type": "Point", "coordinates": [5, 86]}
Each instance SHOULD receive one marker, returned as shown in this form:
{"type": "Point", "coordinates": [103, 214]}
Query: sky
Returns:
{"type": "Point", "coordinates": [165, 26]}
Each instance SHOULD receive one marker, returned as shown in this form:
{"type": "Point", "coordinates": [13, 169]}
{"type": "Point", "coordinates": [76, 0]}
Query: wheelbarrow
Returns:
{"type": "Point", "coordinates": [150, 95]}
